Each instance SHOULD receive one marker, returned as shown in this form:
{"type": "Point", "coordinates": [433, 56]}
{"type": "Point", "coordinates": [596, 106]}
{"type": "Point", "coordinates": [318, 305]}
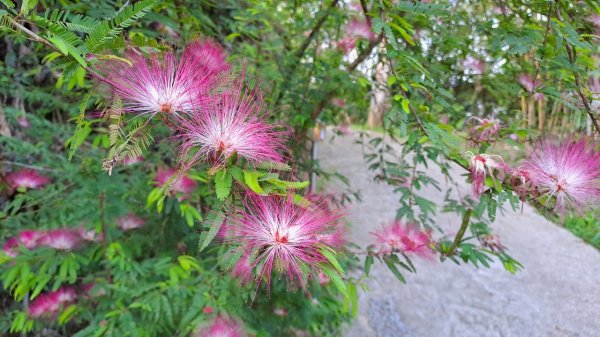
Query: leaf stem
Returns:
{"type": "Point", "coordinates": [461, 232]}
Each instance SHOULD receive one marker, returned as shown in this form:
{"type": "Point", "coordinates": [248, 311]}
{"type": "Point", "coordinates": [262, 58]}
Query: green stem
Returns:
{"type": "Point", "coordinates": [461, 232]}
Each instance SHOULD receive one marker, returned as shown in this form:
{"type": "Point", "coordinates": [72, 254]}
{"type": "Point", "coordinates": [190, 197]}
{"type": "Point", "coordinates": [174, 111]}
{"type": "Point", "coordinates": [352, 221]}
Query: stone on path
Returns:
{"type": "Point", "coordinates": [557, 294]}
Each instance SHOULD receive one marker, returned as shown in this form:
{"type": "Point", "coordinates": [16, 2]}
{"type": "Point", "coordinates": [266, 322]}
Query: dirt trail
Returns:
{"type": "Point", "coordinates": [557, 294]}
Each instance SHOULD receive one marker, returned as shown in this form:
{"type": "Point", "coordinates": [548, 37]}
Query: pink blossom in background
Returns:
{"type": "Point", "coordinates": [405, 238]}
{"type": "Point", "coordinates": [61, 239]}
{"type": "Point", "coordinates": [184, 184]}
{"type": "Point", "coordinates": [474, 65]}
{"type": "Point", "coordinates": [346, 44]}
{"type": "Point", "coordinates": [243, 270]}
{"type": "Point", "coordinates": [233, 122]}
{"type": "Point", "coordinates": [130, 221]}
{"type": "Point", "coordinates": [323, 278]}
{"type": "Point", "coordinates": [132, 160]}
{"type": "Point", "coordinates": [566, 171]}
{"type": "Point", "coordinates": [158, 83]}
{"type": "Point", "coordinates": [90, 234]}
{"type": "Point", "coordinates": [28, 238]}
{"type": "Point", "coordinates": [595, 20]}
{"type": "Point", "coordinates": [360, 29]}
{"type": "Point", "coordinates": [338, 102]}
{"type": "Point", "coordinates": [282, 312]}
{"type": "Point", "coordinates": [210, 55]}
{"type": "Point", "coordinates": [284, 234]}
{"type": "Point", "coordinates": [208, 310]}
{"type": "Point", "coordinates": [48, 304]}
{"type": "Point", "coordinates": [483, 129]}
{"type": "Point", "coordinates": [29, 179]}
{"type": "Point", "coordinates": [482, 165]}
{"type": "Point", "coordinates": [23, 122]}
{"type": "Point", "coordinates": [528, 83]}
{"type": "Point", "coordinates": [222, 327]}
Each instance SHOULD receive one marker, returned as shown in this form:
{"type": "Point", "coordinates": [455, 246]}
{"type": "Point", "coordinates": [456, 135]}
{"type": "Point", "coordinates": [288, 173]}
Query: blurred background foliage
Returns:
{"type": "Point", "coordinates": [429, 67]}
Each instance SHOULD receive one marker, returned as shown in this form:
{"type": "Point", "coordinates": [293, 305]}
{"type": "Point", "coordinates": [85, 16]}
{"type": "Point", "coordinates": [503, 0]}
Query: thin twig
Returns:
{"type": "Point", "coordinates": [26, 166]}
{"type": "Point", "coordinates": [298, 54]}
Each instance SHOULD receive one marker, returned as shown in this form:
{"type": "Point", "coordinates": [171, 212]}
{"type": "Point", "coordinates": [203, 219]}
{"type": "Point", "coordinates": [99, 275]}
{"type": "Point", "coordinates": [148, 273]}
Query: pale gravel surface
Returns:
{"type": "Point", "coordinates": [558, 293]}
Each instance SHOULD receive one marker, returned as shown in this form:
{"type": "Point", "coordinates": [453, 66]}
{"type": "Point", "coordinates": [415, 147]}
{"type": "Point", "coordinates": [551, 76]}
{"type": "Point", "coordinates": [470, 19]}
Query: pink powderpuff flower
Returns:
{"type": "Point", "coordinates": [49, 304]}
{"type": "Point", "coordinates": [222, 327]}
{"type": "Point", "coordinates": [595, 20]}
{"type": "Point", "coordinates": [361, 30]}
{"type": "Point", "coordinates": [473, 65]}
{"type": "Point", "coordinates": [567, 171]}
{"type": "Point", "coordinates": [243, 269]}
{"type": "Point", "coordinates": [483, 129]}
{"type": "Point", "coordinates": [528, 83]}
{"type": "Point", "coordinates": [346, 44]}
{"type": "Point", "coordinates": [481, 166]}
{"type": "Point", "coordinates": [338, 102]}
{"type": "Point", "coordinates": [159, 83]}
{"type": "Point", "coordinates": [400, 238]}
{"type": "Point", "coordinates": [128, 161]}
{"type": "Point", "coordinates": [28, 179]}
{"type": "Point", "coordinates": [285, 235]}
{"type": "Point", "coordinates": [130, 221]}
{"type": "Point", "coordinates": [28, 238]}
{"type": "Point", "coordinates": [208, 310]}
{"type": "Point", "coordinates": [61, 239]}
{"type": "Point", "coordinates": [323, 278]}
{"type": "Point", "coordinates": [210, 55]}
{"type": "Point", "coordinates": [183, 184]}
{"type": "Point", "coordinates": [230, 123]}
{"type": "Point", "coordinates": [23, 122]}
{"type": "Point", "coordinates": [90, 234]}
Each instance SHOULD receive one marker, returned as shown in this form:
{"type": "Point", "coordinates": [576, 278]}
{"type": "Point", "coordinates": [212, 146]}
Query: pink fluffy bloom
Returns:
{"type": "Point", "coordinates": [398, 237]}
{"type": "Point", "coordinates": [483, 129]}
{"type": "Point", "coordinates": [27, 179]}
{"type": "Point", "coordinates": [346, 44]}
{"type": "Point", "coordinates": [492, 242]}
{"type": "Point", "coordinates": [284, 234]}
{"type": "Point", "coordinates": [567, 171]}
{"type": "Point", "coordinates": [159, 83]}
{"type": "Point", "coordinates": [130, 221]}
{"type": "Point", "coordinates": [132, 160]}
{"type": "Point", "coordinates": [230, 123]}
{"type": "Point", "coordinates": [481, 166]}
{"type": "Point", "coordinates": [28, 238]}
{"type": "Point", "coordinates": [23, 122]}
{"type": "Point", "coordinates": [338, 102]}
{"type": "Point", "coordinates": [243, 269]}
{"type": "Point", "coordinates": [90, 234]}
{"type": "Point", "coordinates": [210, 54]}
{"type": "Point", "coordinates": [361, 30]}
{"type": "Point", "coordinates": [222, 327]}
{"type": "Point", "coordinates": [595, 20]}
{"type": "Point", "coordinates": [323, 278]}
{"type": "Point", "coordinates": [183, 185]}
{"type": "Point", "coordinates": [61, 239]}
{"type": "Point", "coordinates": [49, 304]}
{"type": "Point", "coordinates": [474, 65]}
{"type": "Point", "coordinates": [529, 83]}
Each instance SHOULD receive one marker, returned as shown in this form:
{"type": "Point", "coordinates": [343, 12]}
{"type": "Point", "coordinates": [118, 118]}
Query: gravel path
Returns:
{"type": "Point", "coordinates": [557, 294]}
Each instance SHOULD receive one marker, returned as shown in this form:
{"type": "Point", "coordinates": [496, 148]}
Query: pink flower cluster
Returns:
{"type": "Point", "coordinates": [221, 327]}
{"type": "Point", "coordinates": [483, 129]}
{"type": "Point", "coordinates": [48, 304]}
{"type": "Point", "coordinates": [356, 29]}
{"type": "Point", "coordinates": [213, 110]}
{"type": "Point", "coordinates": [288, 237]}
{"type": "Point", "coordinates": [183, 185]}
{"type": "Point", "coordinates": [529, 83]}
{"type": "Point", "coordinates": [28, 179]}
{"type": "Point", "coordinates": [398, 237]}
{"type": "Point", "coordinates": [562, 174]}
{"type": "Point", "coordinates": [59, 239]}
